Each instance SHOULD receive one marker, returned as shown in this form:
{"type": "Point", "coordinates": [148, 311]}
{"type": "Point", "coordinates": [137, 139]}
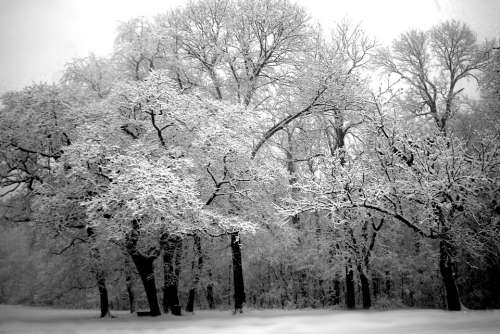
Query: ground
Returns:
{"type": "Point", "coordinates": [21, 319]}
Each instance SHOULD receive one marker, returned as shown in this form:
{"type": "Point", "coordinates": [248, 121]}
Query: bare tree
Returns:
{"type": "Point", "coordinates": [264, 35]}
{"type": "Point", "coordinates": [137, 47]}
{"type": "Point", "coordinates": [92, 72]}
{"type": "Point", "coordinates": [433, 64]}
{"type": "Point", "coordinates": [203, 28]}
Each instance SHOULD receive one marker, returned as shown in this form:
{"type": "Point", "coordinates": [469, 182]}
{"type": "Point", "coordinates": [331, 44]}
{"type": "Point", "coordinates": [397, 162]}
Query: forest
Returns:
{"type": "Point", "coordinates": [232, 155]}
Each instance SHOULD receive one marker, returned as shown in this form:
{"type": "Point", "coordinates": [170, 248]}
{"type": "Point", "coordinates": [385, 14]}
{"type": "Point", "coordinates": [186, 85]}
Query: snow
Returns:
{"type": "Point", "coordinates": [21, 319]}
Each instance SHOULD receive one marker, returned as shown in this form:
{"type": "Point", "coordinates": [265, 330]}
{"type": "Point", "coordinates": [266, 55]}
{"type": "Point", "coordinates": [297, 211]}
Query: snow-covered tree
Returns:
{"type": "Point", "coordinates": [434, 65]}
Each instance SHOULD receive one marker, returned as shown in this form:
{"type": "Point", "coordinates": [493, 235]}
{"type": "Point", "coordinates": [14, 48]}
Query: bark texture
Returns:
{"type": "Point", "coordinates": [446, 268]}
{"type": "Point", "coordinates": [197, 267]}
{"type": "Point", "coordinates": [172, 253]}
{"type": "Point", "coordinates": [145, 268]}
{"type": "Point", "coordinates": [239, 287]}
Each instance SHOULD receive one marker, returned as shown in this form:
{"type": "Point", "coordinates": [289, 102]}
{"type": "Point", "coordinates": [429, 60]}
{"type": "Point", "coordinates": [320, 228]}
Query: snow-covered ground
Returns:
{"type": "Point", "coordinates": [20, 319]}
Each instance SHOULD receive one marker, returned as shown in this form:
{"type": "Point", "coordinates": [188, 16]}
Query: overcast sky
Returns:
{"type": "Point", "coordinates": [37, 37]}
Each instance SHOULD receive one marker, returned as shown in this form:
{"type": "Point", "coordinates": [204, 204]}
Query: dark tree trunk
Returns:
{"type": "Point", "coordinates": [302, 286]}
{"type": "Point", "coordinates": [190, 302]}
{"type": "Point", "coordinates": [376, 287]}
{"type": "Point", "coordinates": [365, 290]}
{"type": "Point", "coordinates": [364, 271]}
{"type": "Point", "coordinates": [350, 297]}
{"type": "Point", "coordinates": [446, 268]}
{"type": "Point", "coordinates": [145, 268]}
{"type": "Point", "coordinates": [99, 274]}
{"type": "Point", "coordinates": [210, 292]}
{"type": "Point", "coordinates": [388, 284]}
{"type": "Point", "coordinates": [336, 291]}
{"type": "Point", "coordinates": [103, 295]}
{"type": "Point", "coordinates": [172, 251]}
{"type": "Point", "coordinates": [131, 295]}
{"type": "Point", "coordinates": [171, 300]}
{"type": "Point", "coordinates": [197, 267]}
{"type": "Point", "coordinates": [291, 167]}
{"type": "Point", "coordinates": [165, 300]}
{"type": "Point", "coordinates": [239, 287]}
{"type": "Point", "coordinates": [349, 281]}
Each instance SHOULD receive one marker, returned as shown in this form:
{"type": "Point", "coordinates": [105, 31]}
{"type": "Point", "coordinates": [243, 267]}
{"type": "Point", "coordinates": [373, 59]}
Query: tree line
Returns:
{"type": "Point", "coordinates": [238, 154]}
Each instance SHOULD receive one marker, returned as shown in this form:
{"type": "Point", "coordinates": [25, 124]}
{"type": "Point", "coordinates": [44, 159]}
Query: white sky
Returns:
{"type": "Point", "coordinates": [37, 37]}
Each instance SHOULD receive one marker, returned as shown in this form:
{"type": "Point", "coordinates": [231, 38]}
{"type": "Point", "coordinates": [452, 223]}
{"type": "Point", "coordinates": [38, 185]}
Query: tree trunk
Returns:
{"type": "Point", "coordinates": [336, 291]}
{"type": "Point", "coordinates": [145, 268]}
{"type": "Point", "coordinates": [172, 251]}
{"type": "Point", "coordinates": [103, 295]}
{"type": "Point", "coordinates": [190, 302]}
{"type": "Point", "coordinates": [210, 292]}
{"type": "Point", "coordinates": [291, 167]}
{"type": "Point", "coordinates": [365, 290]}
{"type": "Point", "coordinates": [349, 284]}
{"type": "Point", "coordinates": [215, 81]}
{"type": "Point", "coordinates": [197, 268]}
{"type": "Point", "coordinates": [239, 287]}
{"type": "Point", "coordinates": [144, 265]}
{"type": "Point", "coordinates": [376, 286]}
{"type": "Point", "coordinates": [130, 293]}
{"type": "Point", "coordinates": [99, 274]}
{"type": "Point", "coordinates": [388, 284]}
{"type": "Point", "coordinates": [446, 268]}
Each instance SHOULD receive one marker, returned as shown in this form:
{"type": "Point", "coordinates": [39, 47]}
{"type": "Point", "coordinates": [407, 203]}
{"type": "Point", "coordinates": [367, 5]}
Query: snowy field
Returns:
{"type": "Point", "coordinates": [20, 319]}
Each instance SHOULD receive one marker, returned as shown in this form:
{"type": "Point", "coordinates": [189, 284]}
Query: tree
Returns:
{"type": "Point", "coordinates": [138, 49]}
{"type": "Point", "coordinates": [57, 207]}
{"type": "Point", "coordinates": [235, 125]}
{"type": "Point", "coordinates": [38, 124]}
{"type": "Point", "coordinates": [93, 73]}
{"type": "Point", "coordinates": [166, 200]}
{"type": "Point", "coordinates": [327, 87]}
{"type": "Point", "coordinates": [114, 157]}
{"type": "Point", "coordinates": [35, 126]}
{"type": "Point", "coordinates": [433, 64]}
{"type": "Point", "coordinates": [265, 34]}
{"type": "Point", "coordinates": [431, 185]}
{"type": "Point", "coordinates": [202, 30]}
{"type": "Point", "coordinates": [248, 45]}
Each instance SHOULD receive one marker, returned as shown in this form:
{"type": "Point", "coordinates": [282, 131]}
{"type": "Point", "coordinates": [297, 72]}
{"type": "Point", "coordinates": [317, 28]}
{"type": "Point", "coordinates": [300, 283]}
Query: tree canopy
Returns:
{"type": "Point", "coordinates": [251, 153]}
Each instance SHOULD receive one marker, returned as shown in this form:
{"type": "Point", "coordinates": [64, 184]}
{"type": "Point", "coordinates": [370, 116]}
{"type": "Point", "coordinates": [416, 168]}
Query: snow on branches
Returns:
{"type": "Point", "coordinates": [155, 155]}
